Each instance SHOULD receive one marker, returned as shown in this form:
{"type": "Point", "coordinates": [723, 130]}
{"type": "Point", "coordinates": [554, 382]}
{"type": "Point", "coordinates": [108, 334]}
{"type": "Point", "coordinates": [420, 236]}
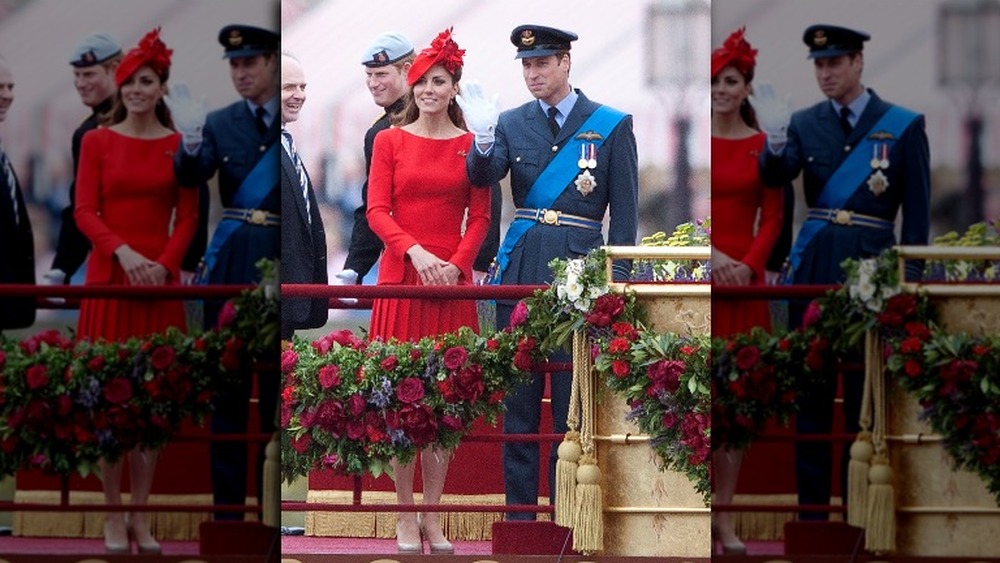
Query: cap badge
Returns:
{"type": "Point", "coordinates": [381, 56]}
{"type": "Point", "coordinates": [819, 38]}
{"type": "Point", "coordinates": [235, 38]}
{"type": "Point", "coordinates": [527, 38]}
{"type": "Point", "coordinates": [88, 57]}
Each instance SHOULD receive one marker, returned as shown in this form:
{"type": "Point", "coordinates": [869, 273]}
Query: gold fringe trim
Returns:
{"type": "Point", "coordinates": [471, 526]}
{"type": "Point", "coordinates": [182, 526]}
{"type": "Point", "coordinates": [762, 526]}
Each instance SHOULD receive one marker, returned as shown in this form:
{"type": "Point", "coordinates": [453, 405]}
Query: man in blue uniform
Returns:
{"type": "Point", "coordinates": [240, 142]}
{"type": "Point", "coordinates": [862, 159]}
{"type": "Point", "coordinates": [559, 217]}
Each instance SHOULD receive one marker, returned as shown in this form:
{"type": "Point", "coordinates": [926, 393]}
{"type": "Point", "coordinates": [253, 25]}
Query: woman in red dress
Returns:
{"type": "Point", "coordinates": [741, 241]}
{"type": "Point", "coordinates": [418, 194]}
{"type": "Point", "coordinates": [126, 198]}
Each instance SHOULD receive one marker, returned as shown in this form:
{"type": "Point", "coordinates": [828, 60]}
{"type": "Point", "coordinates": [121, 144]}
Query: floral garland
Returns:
{"type": "Point", "coordinates": [697, 233]}
{"type": "Point", "coordinates": [352, 406]}
{"type": "Point", "coordinates": [64, 405]}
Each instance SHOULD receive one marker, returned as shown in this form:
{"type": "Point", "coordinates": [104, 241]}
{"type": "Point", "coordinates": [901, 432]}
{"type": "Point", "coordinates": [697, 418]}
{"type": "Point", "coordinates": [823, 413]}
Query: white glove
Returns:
{"type": "Point", "coordinates": [773, 114]}
{"type": "Point", "coordinates": [347, 277]}
{"type": "Point", "coordinates": [480, 114]}
{"type": "Point", "coordinates": [54, 276]}
{"type": "Point", "coordinates": [188, 114]}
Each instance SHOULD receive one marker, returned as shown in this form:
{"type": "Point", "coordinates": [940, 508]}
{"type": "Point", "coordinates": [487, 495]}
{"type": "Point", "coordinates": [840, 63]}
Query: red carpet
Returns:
{"type": "Point", "coordinates": [14, 545]}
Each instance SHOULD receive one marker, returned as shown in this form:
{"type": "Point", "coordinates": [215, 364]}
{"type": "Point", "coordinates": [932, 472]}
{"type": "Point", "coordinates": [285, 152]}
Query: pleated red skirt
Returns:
{"type": "Point", "coordinates": [413, 319]}
{"type": "Point", "coordinates": [121, 319]}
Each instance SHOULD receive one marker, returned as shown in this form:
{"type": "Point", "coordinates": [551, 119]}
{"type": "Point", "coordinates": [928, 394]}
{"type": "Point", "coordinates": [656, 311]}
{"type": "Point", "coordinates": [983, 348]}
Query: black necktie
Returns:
{"type": "Point", "coordinates": [286, 138]}
{"type": "Point", "coordinates": [845, 123]}
{"type": "Point", "coordinates": [10, 184]}
{"type": "Point", "coordinates": [553, 124]}
{"type": "Point", "coordinates": [261, 124]}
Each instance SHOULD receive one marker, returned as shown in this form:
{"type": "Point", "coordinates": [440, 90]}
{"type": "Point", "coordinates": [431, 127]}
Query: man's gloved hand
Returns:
{"type": "Point", "coordinates": [480, 114]}
{"type": "Point", "coordinates": [54, 276]}
{"type": "Point", "coordinates": [773, 114]}
{"type": "Point", "coordinates": [188, 114]}
{"type": "Point", "coordinates": [347, 277]}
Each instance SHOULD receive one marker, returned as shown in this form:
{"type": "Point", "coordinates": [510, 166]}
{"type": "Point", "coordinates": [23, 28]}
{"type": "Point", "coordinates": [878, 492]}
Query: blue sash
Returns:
{"type": "Point", "coordinates": [554, 180]}
{"type": "Point", "coordinates": [846, 180]}
{"type": "Point", "coordinates": [255, 187]}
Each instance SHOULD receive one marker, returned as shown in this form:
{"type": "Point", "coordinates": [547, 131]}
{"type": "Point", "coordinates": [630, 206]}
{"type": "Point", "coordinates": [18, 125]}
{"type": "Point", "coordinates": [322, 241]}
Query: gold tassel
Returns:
{"type": "Point", "coordinates": [588, 529]}
{"type": "Point", "coordinates": [880, 534]}
{"type": "Point", "coordinates": [566, 467]}
{"type": "Point", "coordinates": [857, 479]}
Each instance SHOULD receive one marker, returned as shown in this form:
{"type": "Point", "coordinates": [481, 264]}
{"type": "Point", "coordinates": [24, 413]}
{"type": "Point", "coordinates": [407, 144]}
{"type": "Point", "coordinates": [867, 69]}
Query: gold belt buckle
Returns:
{"type": "Point", "coordinates": [550, 217]}
{"type": "Point", "coordinates": [843, 217]}
{"type": "Point", "coordinates": [258, 217]}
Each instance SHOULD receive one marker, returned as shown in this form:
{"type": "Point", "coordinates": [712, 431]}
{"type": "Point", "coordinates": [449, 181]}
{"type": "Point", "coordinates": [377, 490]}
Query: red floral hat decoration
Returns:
{"type": "Point", "coordinates": [152, 52]}
{"type": "Point", "coordinates": [737, 52]}
{"type": "Point", "coordinates": [443, 51]}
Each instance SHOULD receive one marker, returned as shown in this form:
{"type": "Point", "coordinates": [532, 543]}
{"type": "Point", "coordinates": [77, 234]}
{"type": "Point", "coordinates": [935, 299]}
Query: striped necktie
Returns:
{"type": "Point", "coordinates": [289, 145]}
{"type": "Point", "coordinates": [8, 176]}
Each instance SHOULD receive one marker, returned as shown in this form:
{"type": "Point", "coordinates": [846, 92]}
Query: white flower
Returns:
{"type": "Point", "coordinates": [574, 267]}
{"type": "Point", "coordinates": [583, 305]}
{"type": "Point", "coordinates": [890, 290]}
{"type": "Point", "coordinates": [866, 268]}
{"type": "Point", "coordinates": [875, 305]}
{"type": "Point", "coordinates": [865, 289]}
{"type": "Point", "coordinates": [596, 291]}
{"type": "Point", "coordinates": [573, 290]}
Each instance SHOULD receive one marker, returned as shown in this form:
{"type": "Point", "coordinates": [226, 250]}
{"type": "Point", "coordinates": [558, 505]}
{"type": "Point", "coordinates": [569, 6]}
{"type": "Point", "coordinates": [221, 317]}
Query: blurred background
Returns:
{"type": "Point", "coordinates": [648, 58]}
{"type": "Point", "coordinates": [936, 57]}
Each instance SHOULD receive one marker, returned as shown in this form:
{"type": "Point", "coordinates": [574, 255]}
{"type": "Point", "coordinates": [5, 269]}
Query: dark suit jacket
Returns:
{"type": "Point", "coordinates": [17, 258]}
{"type": "Point", "coordinates": [303, 250]}
{"type": "Point", "coordinates": [523, 147]}
{"type": "Point", "coordinates": [816, 147]}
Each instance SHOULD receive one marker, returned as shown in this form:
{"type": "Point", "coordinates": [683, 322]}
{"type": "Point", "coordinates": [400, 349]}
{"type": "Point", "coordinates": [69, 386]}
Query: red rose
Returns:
{"type": "Point", "coordinates": [356, 405]}
{"type": "Point", "coordinates": [451, 422]}
{"type": "Point", "coordinates": [913, 368]}
{"type": "Point", "coordinates": [302, 443]}
{"type": "Point", "coordinates": [37, 376]}
{"type": "Point", "coordinates": [419, 424]}
{"type": "Point", "coordinates": [330, 416]}
{"type": "Point", "coordinates": [620, 368]}
{"type": "Point", "coordinates": [389, 363]}
{"type": "Point", "coordinates": [911, 345]}
{"type": "Point", "coordinates": [410, 390]}
{"type": "Point", "coordinates": [329, 376]}
{"type": "Point", "coordinates": [519, 314]}
{"type": "Point", "coordinates": [812, 314]}
{"type": "Point", "coordinates": [162, 357]}
{"type": "Point", "coordinates": [289, 359]}
{"type": "Point", "coordinates": [414, 355]}
{"type": "Point", "coordinates": [491, 345]}
{"type": "Point", "coordinates": [228, 314]}
{"type": "Point", "coordinates": [468, 383]}
{"type": "Point", "coordinates": [747, 357]}
{"type": "Point", "coordinates": [669, 420]}
{"type": "Point", "coordinates": [523, 361]}
{"type": "Point", "coordinates": [231, 358]}
{"type": "Point", "coordinates": [356, 428]}
{"type": "Point", "coordinates": [496, 397]}
{"type": "Point", "coordinates": [118, 390]}
{"type": "Point", "coordinates": [455, 357]}
{"type": "Point", "coordinates": [917, 329]}
{"type": "Point", "coordinates": [96, 363]}
{"type": "Point", "coordinates": [64, 405]}
{"type": "Point", "coordinates": [526, 344]}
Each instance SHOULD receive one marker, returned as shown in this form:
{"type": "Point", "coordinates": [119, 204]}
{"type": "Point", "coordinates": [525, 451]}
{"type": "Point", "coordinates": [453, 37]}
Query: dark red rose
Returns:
{"type": "Point", "coordinates": [389, 363]}
{"type": "Point", "coordinates": [519, 314]}
{"type": "Point", "coordinates": [356, 405]}
{"type": "Point", "coordinates": [375, 427]}
{"type": "Point", "coordinates": [414, 354]}
{"type": "Point", "coordinates": [452, 422]}
{"type": "Point", "coordinates": [523, 360]}
{"type": "Point", "coordinates": [329, 376]}
{"type": "Point", "coordinates": [812, 314]}
{"type": "Point", "coordinates": [118, 390]}
{"type": "Point", "coordinates": [330, 416]}
{"type": "Point", "coordinates": [289, 359]}
{"type": "Point", "coordinates": [64, 405]}
{"type": "Point", "coordinates": [356, 428]}
{"type": "Point", "coordinates": [419, 424]}
{"type": "Point", "coordinates": [96, 363]}
{"type": "Point", "coordinates": [468, 383]}
{"type": "Point", "coordinates": [302, 443]}
{"type": "Point", "coordinates": [666, 374]}
{"type": "Point", "coordinates": [669, 420]}
{"type": "Point", "coordinates": [228, 314]}
{"type": "Point", "coordinates": [37, 377]}
{"type": "Point", "coordinates": [526, 344]}
{"type": "Point", "coordinates": [346, 338]}
{"type": "Point", "coordinates": [747, 357]}
{"type": "Point", "coordinates": [410, 390]}
{"type": "Point", "coordinates": [162, 357]}
{"type": "Point", "coordinates": [455, 357]}
{"type": "Point", "coordinates": [232, 354]}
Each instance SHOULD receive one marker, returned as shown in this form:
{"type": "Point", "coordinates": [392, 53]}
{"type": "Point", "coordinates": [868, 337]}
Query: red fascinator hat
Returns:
{"type": "Point", "coordinates": [443, 51]}
{"type": "Point", "coordinates": [151, 51]}
{"type": "Point", "coordinates": [737, 52]}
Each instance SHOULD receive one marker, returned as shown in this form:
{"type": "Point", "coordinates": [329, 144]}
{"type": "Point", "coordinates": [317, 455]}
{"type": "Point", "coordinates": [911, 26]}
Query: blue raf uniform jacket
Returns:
{"type": "Point", "coordinates": [816, 146]}
{"type": "Point", "coordinates": [231, 146]}
{"type": "Point", "coordinates": [524, 146]}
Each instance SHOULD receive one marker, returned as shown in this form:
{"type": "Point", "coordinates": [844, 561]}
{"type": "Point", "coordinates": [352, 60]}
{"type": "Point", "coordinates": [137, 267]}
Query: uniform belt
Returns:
{"type": "Point", "coordinates": [253, 216]}
{"type": "Point", "coordinates": [556, 218]}
{"type": "Point", "coordinates": [849, 218]}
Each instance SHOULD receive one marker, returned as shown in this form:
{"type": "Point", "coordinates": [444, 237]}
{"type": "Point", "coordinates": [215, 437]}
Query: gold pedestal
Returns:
{"type": "Point", "coordinates": [649, 512]}
{"type": "Point", "coordinates": [941, 511]}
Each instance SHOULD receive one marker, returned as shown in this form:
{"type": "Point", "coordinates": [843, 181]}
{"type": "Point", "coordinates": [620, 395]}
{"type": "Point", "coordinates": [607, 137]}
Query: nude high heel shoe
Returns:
{"type": "Point", "coordinates": [407, 547]}
{"type": "Point", "coordinates": [116, 541]}
{"type": "Point", "coordinates": [441, 548]}
{"type": "Point", "coordinates": [146, 545]}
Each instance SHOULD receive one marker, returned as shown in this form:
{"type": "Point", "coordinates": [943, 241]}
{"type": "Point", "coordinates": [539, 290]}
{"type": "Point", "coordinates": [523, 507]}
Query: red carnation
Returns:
{"type": "Point", "coordinates": [619, 345]}
{"type": "Point", "coordinates": [620, 368]}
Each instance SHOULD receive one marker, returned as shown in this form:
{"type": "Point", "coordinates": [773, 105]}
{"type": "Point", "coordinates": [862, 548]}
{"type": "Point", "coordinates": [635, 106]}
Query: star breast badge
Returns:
{"type": "Point", "coordinates": [878, 183]}
{"type": "Point", "coordinates": [585, 183]}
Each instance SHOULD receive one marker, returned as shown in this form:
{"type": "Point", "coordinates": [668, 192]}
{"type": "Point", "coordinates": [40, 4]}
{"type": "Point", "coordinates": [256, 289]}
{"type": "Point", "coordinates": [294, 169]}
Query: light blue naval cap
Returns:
{"type": "Point", "coordinates": [387, 49]}
{"type": "Point", "coordinates": [94, 49]}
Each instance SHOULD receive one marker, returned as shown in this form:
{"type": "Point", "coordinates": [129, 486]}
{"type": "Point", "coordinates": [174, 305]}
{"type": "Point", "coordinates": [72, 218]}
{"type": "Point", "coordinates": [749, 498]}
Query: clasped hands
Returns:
{"type": "Point", "coordinates": [728, 271]}
{"type": "Point", "coordinates": [139, 269]}
{"type": "Point", "coordinates": [432, 270]}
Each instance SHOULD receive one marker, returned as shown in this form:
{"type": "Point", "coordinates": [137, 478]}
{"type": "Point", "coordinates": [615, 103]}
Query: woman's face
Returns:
{"type": "Point", "coordinates": [141, 91]}
{"type": "Point", "coordinates": [729, 89]}
{"type": "Point", "coordinates": [434, 91]}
